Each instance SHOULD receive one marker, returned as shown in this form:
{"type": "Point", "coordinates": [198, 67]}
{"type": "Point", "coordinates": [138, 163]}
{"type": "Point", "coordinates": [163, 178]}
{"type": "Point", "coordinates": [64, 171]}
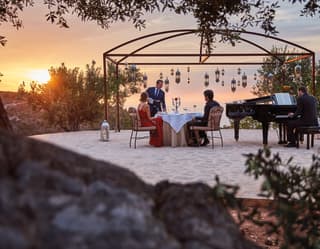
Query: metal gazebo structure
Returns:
{"type": "Point", "coordinates": [138, 56]}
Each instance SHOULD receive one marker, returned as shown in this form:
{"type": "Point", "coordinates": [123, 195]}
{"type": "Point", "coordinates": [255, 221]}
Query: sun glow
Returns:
{"type": "Point", "coordinates": [39, 75]}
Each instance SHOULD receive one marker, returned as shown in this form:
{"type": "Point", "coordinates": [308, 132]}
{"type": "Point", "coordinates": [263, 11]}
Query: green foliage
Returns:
{"type": "Point", "coordinates": [71, 96]}
{"type": "Point", "coordinates": [231, 14]}
{"type": "Point", "coordinates": [248, 123]}
{"type": "Point", "coordinates": [273, 77]}
{"type": "Point", "coordinates": [296, 198]}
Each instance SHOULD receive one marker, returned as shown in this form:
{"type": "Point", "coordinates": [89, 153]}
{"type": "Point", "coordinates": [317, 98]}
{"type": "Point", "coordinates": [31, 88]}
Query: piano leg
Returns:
{"type": "Point", "coordinates": [236, 125]}
{"type": "Point", "coordinates": [282, 133]}
{"type": "Point", "coordinates": [265, 127]}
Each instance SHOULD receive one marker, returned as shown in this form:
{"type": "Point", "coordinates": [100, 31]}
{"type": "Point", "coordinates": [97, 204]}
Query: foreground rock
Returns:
{"type": "Point", "coordinates": [53, 198]}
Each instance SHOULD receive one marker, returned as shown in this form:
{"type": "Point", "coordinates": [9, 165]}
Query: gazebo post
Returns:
{"type": "Point", "coordinates": [118, 99]}
{"type": "Point", "coordinates": [105, 84]}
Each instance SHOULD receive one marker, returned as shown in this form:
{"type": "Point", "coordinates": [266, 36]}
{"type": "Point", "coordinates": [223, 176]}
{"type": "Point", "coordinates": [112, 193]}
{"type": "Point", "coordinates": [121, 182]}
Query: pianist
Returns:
{"type": "Point", "coordinates": [305, 115]}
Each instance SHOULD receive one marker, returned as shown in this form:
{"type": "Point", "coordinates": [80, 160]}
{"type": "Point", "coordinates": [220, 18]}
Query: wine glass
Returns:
{"type": "Point", "coordinates": [185, 109]}
{"type": "Point", "coordinates": [194, 108]}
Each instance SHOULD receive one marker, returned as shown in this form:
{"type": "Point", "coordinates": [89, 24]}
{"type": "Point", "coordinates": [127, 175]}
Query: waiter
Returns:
{"type": "Point", "coordinates": [156, 98]}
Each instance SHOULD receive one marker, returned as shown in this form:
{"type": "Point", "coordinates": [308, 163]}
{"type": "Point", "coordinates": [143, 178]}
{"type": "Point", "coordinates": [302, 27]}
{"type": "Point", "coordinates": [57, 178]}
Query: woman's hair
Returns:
{"type": "Point", "coordinates": [143, 97]}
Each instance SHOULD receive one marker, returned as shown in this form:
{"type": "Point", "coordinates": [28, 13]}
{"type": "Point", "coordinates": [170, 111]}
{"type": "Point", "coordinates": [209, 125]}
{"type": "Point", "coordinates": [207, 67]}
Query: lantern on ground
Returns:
{"type": "Point", "coordinates": [166, 84]}
{"type": "Point", "coordinates": [233, 85]}
{"type": "Point", "coordinates": [206, 79]}
{"type": "Point", "coordinates": [244, 80]}
{"type": "Point", "coordinates": [104, 131]}
{"type": "Point", "coordinates": [217, 74]}
{"type": "Point", "coordinates": [178, 76]}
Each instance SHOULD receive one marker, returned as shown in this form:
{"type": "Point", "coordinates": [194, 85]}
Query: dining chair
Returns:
{"type": "Point", "coordinates": [136, 128]}
{"type": "Point", "coordinates": [213, 126]}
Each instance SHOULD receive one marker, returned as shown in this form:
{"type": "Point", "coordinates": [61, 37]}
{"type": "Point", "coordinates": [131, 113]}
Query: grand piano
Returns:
{"type": "Point", "coordinates": [273, 108]}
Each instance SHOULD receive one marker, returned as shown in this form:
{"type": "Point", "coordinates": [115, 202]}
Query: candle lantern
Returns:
{"type": "Point", "coordinates": [145, 80]}
{"type": "Point", "coordinates": [172, 71]}
{"type": "Point", "coordinates": [255, 76]}
{"type": "Point", "coordinates": [166, 84]}
{"type": "Point", "coordinates": [188, 69]}
{"type": "Point", "coordinates": [238, 82]}
{"type": "Point", "coordinates": [217, 74]}
{"type": "Point", "coordinates": [222, 83]}
{"type": "Point", "coordinates": [244, 80]}
{"type": "Point", "coordinates": [222, 72]}
{"type": "Point", "coordinates": [161, 76]}
{"type": "Point", "coordinates": [176, 102]}
{"type": "Point", "coordinates": [206, 79]}
{"type": "Point", "coordinates": [188, 80]}
{"type": "Point", "coordinates": [297, 71]}
{"type": "Point", "coordinates": [239, 70]}
{"type": "Point", "coordinates": [178, 76]}
{"type": "Point", "coordinates": [132, 73]}
{"type": "Point", "coordinates": [104, 131]}
{"type": "Point", "coordinates": [233, 85]}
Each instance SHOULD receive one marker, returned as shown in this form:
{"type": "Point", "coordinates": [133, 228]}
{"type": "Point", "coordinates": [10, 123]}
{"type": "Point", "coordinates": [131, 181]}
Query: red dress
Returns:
{"type": "Point", "coordinates": [156, 137]}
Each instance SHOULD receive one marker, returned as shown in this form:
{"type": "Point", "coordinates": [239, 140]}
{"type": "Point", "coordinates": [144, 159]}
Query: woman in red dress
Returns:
{"type": "Point", "coordinates": [156, 137]}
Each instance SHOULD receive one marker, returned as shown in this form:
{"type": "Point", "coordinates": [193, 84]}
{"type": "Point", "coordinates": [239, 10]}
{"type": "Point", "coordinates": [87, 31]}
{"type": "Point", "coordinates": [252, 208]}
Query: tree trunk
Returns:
{"type": "Point", "coordinates": [4, 120]}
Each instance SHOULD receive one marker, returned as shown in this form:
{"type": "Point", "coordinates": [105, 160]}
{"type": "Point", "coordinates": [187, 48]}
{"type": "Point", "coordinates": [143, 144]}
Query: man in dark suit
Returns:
{"type": "Point", "coordinates": [203, 121]}
{"type": "Point", "coordinates": [305, 115]}
{"type": "Point", "coordinates": [156, 98]}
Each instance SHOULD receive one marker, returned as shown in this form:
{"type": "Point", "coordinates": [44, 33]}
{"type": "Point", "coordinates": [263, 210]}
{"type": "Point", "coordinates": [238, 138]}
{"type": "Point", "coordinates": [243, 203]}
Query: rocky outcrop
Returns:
{"type": "Point", "coordinates": [53, 198]}
{"type": "Point", "coordinates": [4, 120]}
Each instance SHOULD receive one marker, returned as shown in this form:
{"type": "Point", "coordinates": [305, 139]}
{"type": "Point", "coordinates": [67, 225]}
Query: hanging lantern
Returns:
{"type": "Point", "coordinates": [188, 69]}
{"type": "Point", "coordinates": [222, 83]}
{"type": "Point", "coordinates": [206, 79]}
{"type": "Point", "coordinates": [297, 71]}
{"type": "Point", "coordinates": [126, 67]}
{"type": "Point", "coordinates": [172, 71]}
{"type": "Point", "coordinates": [217, 74]}
{"type": "Point", "coordinates": [244, 80]}
{"type": "Point", "coordinates": [222, 72]}
{"type": "Point", "coordinates": [270, 78]}
{"type": "Point", "coordinates": [255, 76]}
{"type": "Point", "coordinates": [239, 70]}
{"type": "Point", "coordinates": [188, 80]}
{"type": "Point", "coordinates": [238, 82]}
{"type": "Point", "coordinates": [166, 84]}
{"type": "Point", "coordinates": [161, 76]}
{"type": "Point", "coordinates": [178, 76]}
{"type": "Point", "coordinates": [145, 80]}
{"type": "Point", "coordinates": [132, 73]}
{"type": "Point", "coordinates": [233, 85]}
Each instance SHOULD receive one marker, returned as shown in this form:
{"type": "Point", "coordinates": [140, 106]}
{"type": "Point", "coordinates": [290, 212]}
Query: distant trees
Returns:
{"type": "Point", "coordinates": [273, 77]}
{"type": "Point", "coordinates": [73, 97]}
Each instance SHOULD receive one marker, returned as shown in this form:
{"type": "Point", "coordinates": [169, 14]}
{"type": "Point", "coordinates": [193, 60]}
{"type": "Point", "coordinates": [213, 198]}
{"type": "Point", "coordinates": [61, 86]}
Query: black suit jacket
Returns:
{"type": "Point", "coordinates": [158, 100]}
{"type": "Point", "coordinates": [207, 108]}
{"type": "Point", "coordinates": [307, 110]}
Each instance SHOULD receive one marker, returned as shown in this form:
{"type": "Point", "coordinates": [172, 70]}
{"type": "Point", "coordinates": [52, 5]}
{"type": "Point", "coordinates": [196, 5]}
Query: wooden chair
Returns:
{"type": "Point", "coordinates": [213, 126]}
{"type": "Point", "coordinates": [136, 128]}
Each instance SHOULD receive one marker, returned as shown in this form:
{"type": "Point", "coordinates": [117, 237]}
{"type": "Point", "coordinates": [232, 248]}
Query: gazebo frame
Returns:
{"type": "Point", "coordinates": [119, 59]}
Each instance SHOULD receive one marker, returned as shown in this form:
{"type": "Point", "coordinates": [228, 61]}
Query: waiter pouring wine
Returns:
{"type": "Point", "coordinates": [156, 98]}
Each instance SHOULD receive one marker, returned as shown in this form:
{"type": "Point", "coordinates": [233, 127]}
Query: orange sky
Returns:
{"type": "Point", "coordinates": [40, 45]}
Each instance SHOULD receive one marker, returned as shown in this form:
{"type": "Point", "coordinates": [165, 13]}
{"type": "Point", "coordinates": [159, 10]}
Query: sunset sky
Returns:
{"type": "Point", "coordinates": [39, 45]}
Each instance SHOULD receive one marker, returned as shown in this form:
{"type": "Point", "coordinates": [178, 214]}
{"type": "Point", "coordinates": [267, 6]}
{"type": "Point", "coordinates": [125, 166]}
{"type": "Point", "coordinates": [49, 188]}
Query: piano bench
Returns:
{"type": "Point", "coordinates": [309, 131]}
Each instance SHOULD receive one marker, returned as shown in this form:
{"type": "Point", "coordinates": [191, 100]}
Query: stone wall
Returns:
{"type": "Point", "coordinates": [54, 198]}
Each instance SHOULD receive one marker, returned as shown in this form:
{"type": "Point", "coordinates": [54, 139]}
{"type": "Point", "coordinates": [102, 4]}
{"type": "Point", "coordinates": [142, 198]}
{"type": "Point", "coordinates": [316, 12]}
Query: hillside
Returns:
{"type": "Point", "coordinates": [24, 120]}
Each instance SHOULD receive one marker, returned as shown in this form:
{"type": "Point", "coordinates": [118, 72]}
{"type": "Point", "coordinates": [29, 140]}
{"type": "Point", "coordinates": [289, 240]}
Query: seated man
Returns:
{"type": "Point", "coordinates": [305, 115]}
{"type": "Point", "coordinates": [202, 121]}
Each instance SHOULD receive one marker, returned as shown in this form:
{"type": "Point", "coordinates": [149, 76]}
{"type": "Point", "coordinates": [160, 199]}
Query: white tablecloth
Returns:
{"type": "Point", "coordinates": [178, 120]}
{"type": "Point", "coordinates": [174, 128]}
